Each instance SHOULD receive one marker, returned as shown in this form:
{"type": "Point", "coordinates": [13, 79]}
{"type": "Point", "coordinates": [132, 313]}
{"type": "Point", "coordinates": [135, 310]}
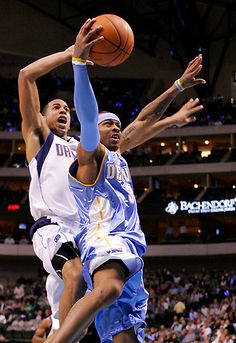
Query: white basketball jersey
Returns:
{"type": "Point", "coordinates": [49, 193]}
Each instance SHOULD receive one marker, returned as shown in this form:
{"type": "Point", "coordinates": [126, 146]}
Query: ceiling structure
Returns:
{"type": "Point", "coordinates": [189, 27]}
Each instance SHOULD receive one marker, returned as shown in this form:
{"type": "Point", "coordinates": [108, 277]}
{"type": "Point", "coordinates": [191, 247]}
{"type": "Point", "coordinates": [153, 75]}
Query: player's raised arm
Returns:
{"type": "Point", "coordinates": [139, 131]}
{"type": "Point", "coordinates": [181, 118]}
{"type": "Point", "coordinates": [89, 150]}
{"type": "Point", "coordinates": [34, 128]}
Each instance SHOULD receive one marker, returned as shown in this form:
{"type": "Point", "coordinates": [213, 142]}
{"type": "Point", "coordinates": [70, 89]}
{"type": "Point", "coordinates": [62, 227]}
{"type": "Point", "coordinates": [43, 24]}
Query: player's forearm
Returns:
{"type": "Point", "coordinates": [139, 132]}
{"type": "Point", "coordinates": [159, 105]}
{"type": "Point", "coordinates": [86, 108]}
{"type": "Point", "coordinates": [45, 64]}
{"type": "Point", "coordinates": [164, 124]}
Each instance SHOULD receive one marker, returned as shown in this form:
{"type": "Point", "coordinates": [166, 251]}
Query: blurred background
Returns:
{"type": "Point", "coordinates": [184, 179]}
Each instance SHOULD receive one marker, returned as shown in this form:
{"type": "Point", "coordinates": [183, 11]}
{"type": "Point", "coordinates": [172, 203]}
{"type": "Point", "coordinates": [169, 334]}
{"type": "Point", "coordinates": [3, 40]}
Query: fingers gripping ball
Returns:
{"type": "Point", "coordinates": [118, 41]}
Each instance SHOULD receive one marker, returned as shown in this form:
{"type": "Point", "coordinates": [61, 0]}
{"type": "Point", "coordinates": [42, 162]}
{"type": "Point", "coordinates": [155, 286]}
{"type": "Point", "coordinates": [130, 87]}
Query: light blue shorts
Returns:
{"type": "Point", "coordinates": [128, 311]}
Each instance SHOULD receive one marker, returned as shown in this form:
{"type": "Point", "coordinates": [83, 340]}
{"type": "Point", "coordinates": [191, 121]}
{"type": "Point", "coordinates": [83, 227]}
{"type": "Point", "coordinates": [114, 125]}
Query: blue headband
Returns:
{"type": "Point", "coordinates": [106, 116]}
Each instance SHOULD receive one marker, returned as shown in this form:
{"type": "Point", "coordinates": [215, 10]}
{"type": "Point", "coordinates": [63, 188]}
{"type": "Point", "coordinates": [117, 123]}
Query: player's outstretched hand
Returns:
{"type": "Point", "coordinates": [189, 79]}
{"type": "Point", "coordinates": [85, 40]}
{"type": "Point", "coordinates": [187, 113]}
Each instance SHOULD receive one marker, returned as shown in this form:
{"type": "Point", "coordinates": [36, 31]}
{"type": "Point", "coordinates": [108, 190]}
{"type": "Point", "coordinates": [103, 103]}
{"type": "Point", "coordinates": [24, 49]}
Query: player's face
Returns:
{"type": "Point", "coordinates": [57, 117]}
{"type": "Point", "coordinates": [110, 133]}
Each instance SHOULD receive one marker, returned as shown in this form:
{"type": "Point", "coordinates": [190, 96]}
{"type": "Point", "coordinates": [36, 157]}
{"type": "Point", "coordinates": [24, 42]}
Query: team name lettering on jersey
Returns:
{"type": "Point", "coordinates": [64, 150]}
{"type": "Point", "coordinates": [115, 171]}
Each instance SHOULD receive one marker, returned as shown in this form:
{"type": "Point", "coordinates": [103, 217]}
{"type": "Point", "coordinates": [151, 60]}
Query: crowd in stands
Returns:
{"type": "Point", "coordinates": [9, 105]}
{"type": "Point", "coordinates": [191, 307]}
{"type": "Point", "coordinates": [9, 239]}
{"type": "Point", "coordinates": [156, 202]}
{"type": "Point", "coordinates": [183, 307]}
{"type": "Point", "coordinates": [22, 307]}
{"type": "Point", "coordinates": [125, 97]}
{"type": "Point", "coordinates": [143, 156]}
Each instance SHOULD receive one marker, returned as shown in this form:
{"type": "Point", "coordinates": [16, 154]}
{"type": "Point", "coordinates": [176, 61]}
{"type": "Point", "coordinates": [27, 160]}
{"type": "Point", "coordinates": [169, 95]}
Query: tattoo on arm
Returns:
{"type": "Point", "coordinates": [126, 134]}
{"type": "Point", "coordinates": [157, 108]}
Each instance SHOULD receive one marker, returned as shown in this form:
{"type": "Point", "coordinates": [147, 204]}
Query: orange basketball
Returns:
{"type": "Point", "coordinates": [118, 41]}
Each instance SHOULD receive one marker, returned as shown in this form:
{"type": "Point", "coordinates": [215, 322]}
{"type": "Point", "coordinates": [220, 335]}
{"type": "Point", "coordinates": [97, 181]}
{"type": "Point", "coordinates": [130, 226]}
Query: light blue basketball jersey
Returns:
{"type": "Point", "coordinates": [109, 221]}
{"type": "Point", "coordinates": [108, 207]}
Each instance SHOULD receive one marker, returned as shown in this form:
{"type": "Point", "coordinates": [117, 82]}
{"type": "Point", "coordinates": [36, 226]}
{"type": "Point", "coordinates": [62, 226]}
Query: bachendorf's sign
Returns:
{"type": "Point", "coordinates": [212, 206]}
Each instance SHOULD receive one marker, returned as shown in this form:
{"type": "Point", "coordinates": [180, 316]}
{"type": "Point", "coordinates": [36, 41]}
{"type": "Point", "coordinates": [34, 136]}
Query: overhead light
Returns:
{"type": "Point", "coordinates": [195, 185]}
{"type": "Point", "coordinates": [207, 142]}
{"type": "Point", "coordinates": [163, 144]}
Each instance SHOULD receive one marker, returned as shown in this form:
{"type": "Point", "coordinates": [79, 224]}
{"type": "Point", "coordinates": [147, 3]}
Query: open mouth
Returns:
{"type": "Point", "coordinates": [115, 136]}
{"type": "Point", "coordinates": [62, 120]}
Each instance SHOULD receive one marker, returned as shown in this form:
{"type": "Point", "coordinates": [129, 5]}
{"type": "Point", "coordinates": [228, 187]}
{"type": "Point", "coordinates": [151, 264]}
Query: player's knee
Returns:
{"type": "Point", "coordinates": [109, 291]}
{"type": "Point", "coordinates": [114, 289]}
{"type": "Point", "coordinates": [117, 288]}
{"type": "Point", "coordinates": [72, 271]}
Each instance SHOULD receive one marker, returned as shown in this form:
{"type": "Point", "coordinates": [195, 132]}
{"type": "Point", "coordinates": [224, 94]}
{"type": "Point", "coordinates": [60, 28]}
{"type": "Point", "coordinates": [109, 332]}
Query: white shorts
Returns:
{"type": "Point", "coordinates": [47, 240]}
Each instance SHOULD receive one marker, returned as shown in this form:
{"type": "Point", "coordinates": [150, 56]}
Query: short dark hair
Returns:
{"type": "Point", "coordinates": [45, 105]}
{"type": "Point", "coordinates": [44, 109]}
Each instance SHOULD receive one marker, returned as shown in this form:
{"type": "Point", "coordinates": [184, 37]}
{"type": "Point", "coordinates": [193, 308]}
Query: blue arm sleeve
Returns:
{"type": "Point", "coordinates": [86, 108]}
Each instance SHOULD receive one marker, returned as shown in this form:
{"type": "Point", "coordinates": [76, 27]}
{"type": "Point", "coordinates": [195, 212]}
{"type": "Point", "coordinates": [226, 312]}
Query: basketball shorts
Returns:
{"type": "Point", "coordinates": [108, 248]}
{"type": "Point", "coordinates": [48, 238]}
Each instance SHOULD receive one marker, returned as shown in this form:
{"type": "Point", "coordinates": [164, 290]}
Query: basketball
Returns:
{"type": "Point", "coordinates": [118, 41]}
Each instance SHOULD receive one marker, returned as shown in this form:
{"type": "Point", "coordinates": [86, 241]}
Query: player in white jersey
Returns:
{"type": "Point", "coordinates": [49, 152]}
{"type": "Point", "coordinates": [110, 239]}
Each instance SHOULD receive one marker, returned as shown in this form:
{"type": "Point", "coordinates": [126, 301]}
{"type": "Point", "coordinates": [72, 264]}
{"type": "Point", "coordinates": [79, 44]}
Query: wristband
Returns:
{"type": "Point", "coordinates": [179, 85]}
{"type": "Point", "coordinates": [78, 60]}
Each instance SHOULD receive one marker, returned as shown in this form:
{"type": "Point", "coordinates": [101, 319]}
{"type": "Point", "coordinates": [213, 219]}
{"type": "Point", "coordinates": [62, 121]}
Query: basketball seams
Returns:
{"type": "Point", "coordinates": [120, 31]}
{"type": "Point", "coordinates": [118, 47]}
{"type": "Point", "coordinates": [112, 43]}
{"type": "Point", "coordinates": [122, 51]}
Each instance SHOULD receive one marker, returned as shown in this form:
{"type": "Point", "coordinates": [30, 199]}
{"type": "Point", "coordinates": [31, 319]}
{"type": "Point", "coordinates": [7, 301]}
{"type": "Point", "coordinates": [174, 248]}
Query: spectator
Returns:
{"type": "Point", "coordinates": [39, 315]}
{"type": "Point", "coordinates": [183, 231]}
{"type": "Point", "coordinates": [179, 307]}
{"type": "Point", "coordinates": [23, 240]}
{"type": "Point", "coordinates": [9, 240]}
{"type": "Point", "coordinates": [19, 291]}
{"type": "Point", "coordinates": [189, 337]}
{"type": "Point", "coordinates": [1, 289]}
{"type": "Point", "coordinates": [2, 318]}
{"type": "Point", "coordinates": [170, 231]}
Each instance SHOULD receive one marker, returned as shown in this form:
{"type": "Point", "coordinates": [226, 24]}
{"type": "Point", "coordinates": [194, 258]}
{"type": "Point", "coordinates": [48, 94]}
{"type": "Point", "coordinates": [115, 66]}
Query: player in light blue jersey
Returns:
{"type": "Point", "coordinates": [109, 238]}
